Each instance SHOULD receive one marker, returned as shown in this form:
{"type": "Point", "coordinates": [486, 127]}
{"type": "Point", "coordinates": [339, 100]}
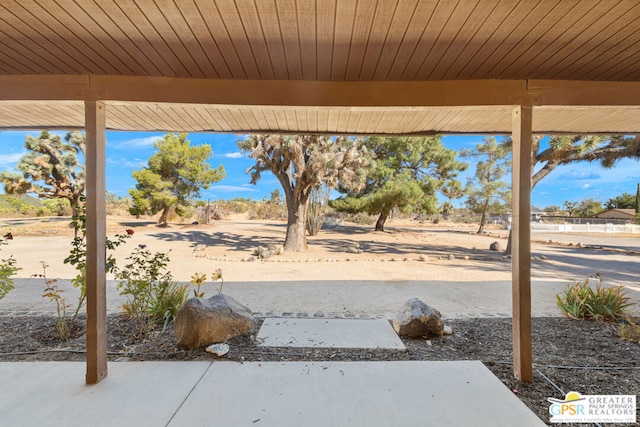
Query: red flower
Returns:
{"type": "Point", "coordinates": [129, 231]}
{"type": "Point", "coordinates": [8, 236]}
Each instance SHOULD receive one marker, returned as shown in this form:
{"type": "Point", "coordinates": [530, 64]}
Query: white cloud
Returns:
{"type": "Point", "coordinates": [624, 172]}
{"type": "Point", "coordinates": [234, 155]}
{"type": "Point", "coordinates": [232, 188]}
{"type": "Point", "coordinates": [11, 158]}
{"type": "Point", "coordinates": [586, 186]}
{"type": "Point", "coordinates": [268, 179]}
{"type": "Point", "coordinates": [139, 142]}
{"type": "Point", "coordinates": [577, 174]}
{"type": "Point", "coordinates": [126, 163]}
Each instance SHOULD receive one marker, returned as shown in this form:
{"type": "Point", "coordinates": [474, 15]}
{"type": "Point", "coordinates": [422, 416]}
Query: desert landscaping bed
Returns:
{"type": "Point", "coordinates": [588, 357]}
{"type": "Point", "coordinates": [569, 355]}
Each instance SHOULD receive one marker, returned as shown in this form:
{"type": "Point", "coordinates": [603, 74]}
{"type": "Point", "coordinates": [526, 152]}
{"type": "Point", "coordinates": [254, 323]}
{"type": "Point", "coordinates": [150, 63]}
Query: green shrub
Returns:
{"type": "Point", "coordinates": [12, 205]}
{"type": "Point", "coordinates": [629, 330]}
{"type": "Point", "coordinates": [64, 324]}
{"type": "Point", "coordinates": [152, 293]}
{"type": "Point", "coordinates": [7, 269]}
{"type": "Point", "coordinates": [78, 259]}
{"type": "Point", "coordinates": [55, 207]}
{"type": "Point", "coordinates": [360, 218]}
{"type": "Point", "coordinates": [255, 209]}
{"type": "Point", "coordinates": [581, 301]}
{"type": "Point", "coordinates": [266, 210]}
{"type": "Point", "coordinates": [317, 208]}
{"type": "Point", "coordinates": [169, 297]}
{"type": "Point", "coordinates": [236, 206]}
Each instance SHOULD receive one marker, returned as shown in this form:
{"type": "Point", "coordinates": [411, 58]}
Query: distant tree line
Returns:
{"type": "Point", "coordinates": [375, 175]}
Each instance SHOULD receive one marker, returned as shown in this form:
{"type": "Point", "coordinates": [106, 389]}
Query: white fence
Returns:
{"type": "Point", "coordinates": [585, 228]}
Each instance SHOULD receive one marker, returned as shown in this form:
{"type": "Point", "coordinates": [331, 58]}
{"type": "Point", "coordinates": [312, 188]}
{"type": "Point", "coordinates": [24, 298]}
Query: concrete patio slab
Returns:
{"type": "Point", "coordinates": [227, 394]}
{"type": "Point", "coordinates": [353, 393]}
{"type": "Point", "coordinates": [333, 333]}
{"type": "Point", "coordinates": [134, 393]}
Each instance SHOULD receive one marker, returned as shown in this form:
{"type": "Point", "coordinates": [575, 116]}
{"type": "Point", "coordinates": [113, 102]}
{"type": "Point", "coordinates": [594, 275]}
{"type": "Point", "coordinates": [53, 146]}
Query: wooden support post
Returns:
{"type": "Point", "coordinates": [95, 161]}
{"type": "Point", "coordinates": [521, 243]}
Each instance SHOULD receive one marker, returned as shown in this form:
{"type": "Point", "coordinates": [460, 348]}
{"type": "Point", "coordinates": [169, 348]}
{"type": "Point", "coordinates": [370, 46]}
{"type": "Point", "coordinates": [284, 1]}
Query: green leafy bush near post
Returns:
{"type": "Point", "coordinates": [580, 301]}
{"type": "Point", "coordinates": [64, 324]}
{"type": "Point", "coordinates": [170, 295]}
{"type": "Point", "coordinates": [152, 293]}
{"type": "Point", "coordinates": [78, 259]}
{"type": "Point", "coordinates": [7, 269]}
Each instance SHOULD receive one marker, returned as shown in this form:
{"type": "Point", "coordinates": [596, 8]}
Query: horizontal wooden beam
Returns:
{"type": "Point", "coordinates": [478, 106]}
{"type": "Point", "coordinates": [319, 93]}
{"type": "Point", "coordinates": [45, 88]}
{"type": "Point", "coordinates": [263, 92]}
{"type": "Point", "coordinates": [583, 93]}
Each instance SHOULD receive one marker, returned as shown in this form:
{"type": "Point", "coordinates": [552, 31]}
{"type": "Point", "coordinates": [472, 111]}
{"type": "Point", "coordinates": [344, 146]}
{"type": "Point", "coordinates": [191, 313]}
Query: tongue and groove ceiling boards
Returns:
{"type": "Point", "coordinates": [337, 67]}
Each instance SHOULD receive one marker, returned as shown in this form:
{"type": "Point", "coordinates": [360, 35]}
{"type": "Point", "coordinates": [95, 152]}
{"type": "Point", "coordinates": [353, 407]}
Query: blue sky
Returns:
{"type": "Point", "coordinates": [127, 151]}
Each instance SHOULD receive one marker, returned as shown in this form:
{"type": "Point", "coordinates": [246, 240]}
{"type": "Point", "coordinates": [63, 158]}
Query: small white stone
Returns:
{"type": "Point", "coordinates": [218, 349]}
{"type": "Point", "coordinates": [446, 330]}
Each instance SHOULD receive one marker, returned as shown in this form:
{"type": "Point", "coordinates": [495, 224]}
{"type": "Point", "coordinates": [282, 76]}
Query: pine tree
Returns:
{"type": "Point", "coordinates": [174, 175]}
{"type": "Point", "coordinates": [406, 174]}
{"type": "Point", "coordinates": [486, 188]}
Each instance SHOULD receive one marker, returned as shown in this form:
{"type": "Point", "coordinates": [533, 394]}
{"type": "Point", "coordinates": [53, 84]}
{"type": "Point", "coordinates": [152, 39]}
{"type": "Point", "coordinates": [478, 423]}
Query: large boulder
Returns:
{"type": "Point", "coordinates": [202, 322]}
{"type": "Point", "coordinates": [416, 319]}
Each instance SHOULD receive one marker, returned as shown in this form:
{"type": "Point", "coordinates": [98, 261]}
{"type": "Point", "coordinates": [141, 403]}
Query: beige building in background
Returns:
{"type": "Point", "coordinates": [628, 214]}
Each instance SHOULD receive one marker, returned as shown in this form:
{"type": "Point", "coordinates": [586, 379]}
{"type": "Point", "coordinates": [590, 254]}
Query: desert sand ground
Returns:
{"type": "Point", "coordinates": [448, 266]}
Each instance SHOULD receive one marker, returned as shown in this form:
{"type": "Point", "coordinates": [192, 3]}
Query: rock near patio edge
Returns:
{"type": "Point", "coordinates": [202, 322]}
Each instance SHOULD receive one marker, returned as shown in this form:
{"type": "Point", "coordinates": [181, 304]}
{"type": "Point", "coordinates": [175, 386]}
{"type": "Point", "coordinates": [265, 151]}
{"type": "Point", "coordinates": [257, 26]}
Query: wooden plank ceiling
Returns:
{"type": "Point", "coordinates": [322, 40]}
{"type": "Point", "coordinates": [352, 121]}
